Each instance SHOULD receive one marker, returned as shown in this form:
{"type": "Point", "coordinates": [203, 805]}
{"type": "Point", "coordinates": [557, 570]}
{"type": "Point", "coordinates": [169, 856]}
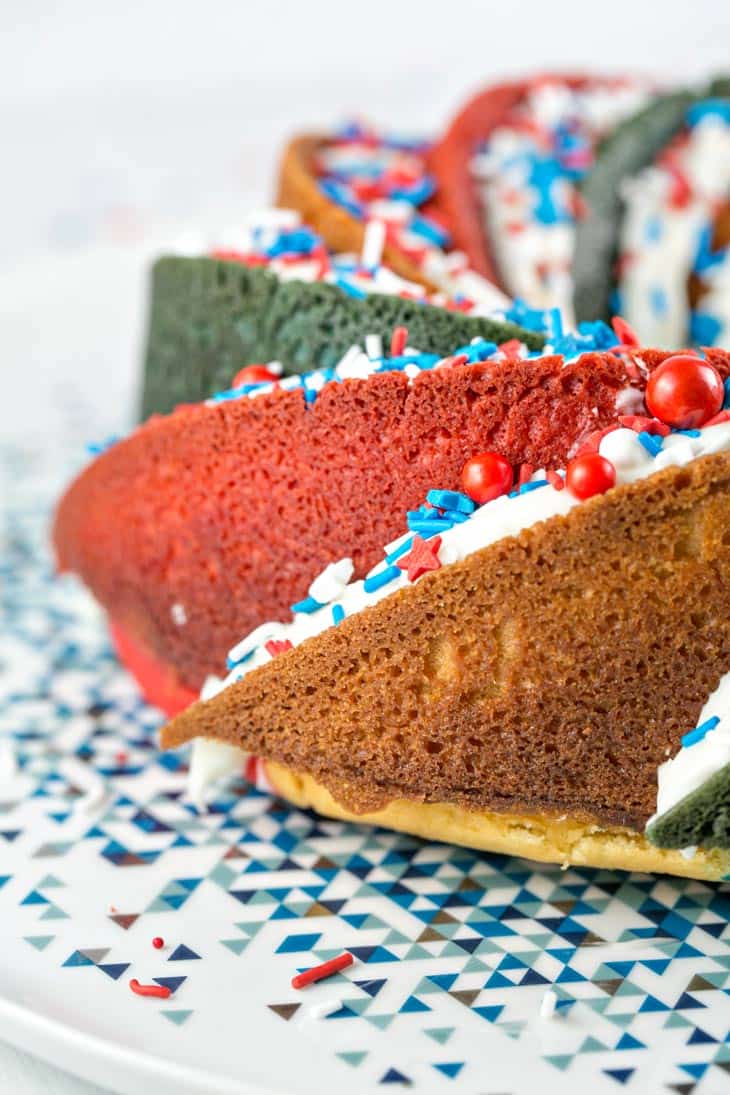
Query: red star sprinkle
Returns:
{"type": "Point", "coordinates": [277, 646]}
{"type": "Point", "coordinates": [422, 557]}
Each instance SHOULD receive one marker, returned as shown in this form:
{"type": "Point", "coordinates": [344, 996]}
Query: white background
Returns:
{"type": "Point", "coordinates": [121, 124]}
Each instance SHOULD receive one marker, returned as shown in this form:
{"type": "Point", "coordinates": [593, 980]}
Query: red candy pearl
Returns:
{"type": "Point", "coordinates": [589, 474]}
{"type": "Point", "coordinates": [486, 476]}
{"type": "Point", "coordinates": [253, 374]}
{"type": "Point", "coordinates": [684, 391]}
{"type": "Point", "coordinates": [158, 942]}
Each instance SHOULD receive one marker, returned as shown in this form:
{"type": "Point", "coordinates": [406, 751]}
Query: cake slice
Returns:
{"type": "Point", "coordinates": [515, 680]}
{"type": "Point", "coordinates": [207, 522]}
{"type": "Point", "coordinates": [653, 241]}
{"type": "Point", "coordinates": [508, 169]}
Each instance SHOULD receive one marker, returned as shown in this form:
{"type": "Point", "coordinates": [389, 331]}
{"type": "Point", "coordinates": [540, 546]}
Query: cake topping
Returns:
{"type": "Point", "coordinates": [684, 391]}
{"type": "Point", "coordinates": [590, 474]}
{"type": "Point", "coordinates": [161, 991]}
{"type": "Point", "coordinates": [486, 476]}
{"type": "Point", "coordinates": [319, 973]}
{"type": "Point", "coordinates": [422, 557]}
{"type": "Point", "coordinates": [527, 173]}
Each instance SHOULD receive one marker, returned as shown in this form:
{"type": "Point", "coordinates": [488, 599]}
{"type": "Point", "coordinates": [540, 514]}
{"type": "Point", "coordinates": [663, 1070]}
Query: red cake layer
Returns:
{"type": "Point", "coordinates": [158, 682]}
{"type": "Point", "coordinates": [205, 523]}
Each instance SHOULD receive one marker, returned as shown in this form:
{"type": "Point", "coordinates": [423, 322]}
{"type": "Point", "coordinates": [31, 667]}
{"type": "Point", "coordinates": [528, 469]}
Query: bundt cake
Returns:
{"type": "Point", "coordinates": [207, 522]}
{"type": "Point", "coordinates": [527, 657]}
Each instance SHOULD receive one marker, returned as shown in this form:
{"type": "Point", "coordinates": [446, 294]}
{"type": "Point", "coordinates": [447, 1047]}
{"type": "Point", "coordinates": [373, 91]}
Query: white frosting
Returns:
{"type": "Point", "coordinates": [494, 521]}
{"type": "Point", "coordinates": [659, 239]}
{"type": "Point", "coordinates": [209, 761]}
{"type": "Point", "coordinates": [694, 764]}
{"type": "Point", "coordinates": [535, 255]}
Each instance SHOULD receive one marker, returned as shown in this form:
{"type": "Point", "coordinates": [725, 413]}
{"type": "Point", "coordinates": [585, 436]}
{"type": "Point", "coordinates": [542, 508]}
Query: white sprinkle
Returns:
{"type": "Point", "coordinates": [548, 1005]}
{"type": "Point", "coordinates": [330, 584]}
{"type": "Point", "coordinates": [179, 615]}
{"type": "Point", "coordinates": [372, 244]}
{"type": "Point", "coordinates": [354, 365]}
{"type": "Point", "coordinates": [374, 347]}
{"type": "Point", "coordinates": [689, 852]}
{"type": "Point", "coordinates": [327, 1007]}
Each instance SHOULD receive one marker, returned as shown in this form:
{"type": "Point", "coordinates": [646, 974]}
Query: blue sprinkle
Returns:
{"type": "Point", "coordinates": [309, 395]}
{"type": "Point", "coordinates": [350, 289]}
{"type": "Point", "coordinates": [726, 400]}
{"type": "Point", "coordinates": [706, 257]}
{"type": "Point", "coordinates": [658, 300]}
{"type": "Point", "coordinates": [95, 448]}
{"type": "Point", "coordinates": [718, 107]}
{"type": "Point", "coordinates": [704, 328]}
{"type": "Point", "coordinates": [397, 552]}
{"type": "Point", "coordinates": [307, 605]}
{"type": "Point", "coordinates": [338, 193]}
{"type": "Point", "coordinates": [653, 230]}
{"type": "Point", "coordinates": [698, 734]}
{"type": "Point", "coordinates": [422, 514]}
{"type": "Point", "coordinates": [452, 500]}
{"type": "Point", "coordinates": [416, 194]}
{"type": "Point", "coordinates": [375, 581]}
{"type": "Point", "coordinates": [556, 323]}
{"type": "Point", "coordinates": [527, 488]}
{"type": "Point", "coordinates": [457, 517]}
{"type": "Point", "coordinates": [424, 226]}
{"type": "Point", "coordinates": [232, 664]}
{"type": "Point", "coordinates": [598, 334]}
{"type": "Point", "coordinates": [532, 318]}
{"type": "Point", "coordinates": [338, 614]}
{"type": "Point", "coordinates": [427, 529]}
{"type": "Point", "coordinates": [688, 433]}
{"type": "Point", "coordinates": [300, 241]}
{"type": "Point", "coordinates": [652, 442]}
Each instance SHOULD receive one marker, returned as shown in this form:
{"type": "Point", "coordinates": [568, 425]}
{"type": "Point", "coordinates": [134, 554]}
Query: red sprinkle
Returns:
{"type": "Point", "coordinates": [624, 332]}
{"type": "Point", "coordinates": [422, 557]}
{"type": "Point", "coordinates": [251, 770]}
{"type": "Point", "coordinates": [641, 424]}
{"type": "Point", "coordinates": [254, 374]}
{"type": "Point", "coordinates": [525, 475]}
{"type": "Point", "coordinates": [162, 991]}
{"type": "Point", "coordinates": [277, 646]}
{"type": "Point", "coordinates": [555, 480]}
{"type": "Point", "coordinates": [158, 942]}
{"type": "Point", "coordinates": [593, 440]}
{"type": "Point", "coordinates": [511, 348]}
{"type": "Point", "coordinates": [398, 341]}
{"type": "Point", "coordinates": [318, 973]}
